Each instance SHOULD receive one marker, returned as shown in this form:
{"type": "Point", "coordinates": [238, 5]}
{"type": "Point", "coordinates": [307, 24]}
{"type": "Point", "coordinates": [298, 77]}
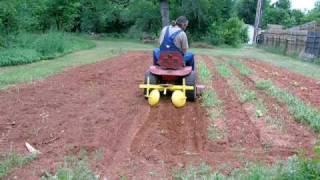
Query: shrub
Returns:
{"type": "Point", "coordinates": [18, 56]}
{"type": "Point", "coordinates": [26, 48]}
{"type": "Point", "coordinates": [232, 32]}
{"type": "Point", "coordinates": [50, 44]}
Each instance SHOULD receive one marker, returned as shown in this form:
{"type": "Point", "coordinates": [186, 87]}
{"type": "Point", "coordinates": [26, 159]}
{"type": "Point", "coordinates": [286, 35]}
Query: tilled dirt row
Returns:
{"type": "Point", "coordinates": [307, 89]}
{"type": "Point", "coordinates": [285, 134]}
{"type": "Point", "coordinates": [253, 134]}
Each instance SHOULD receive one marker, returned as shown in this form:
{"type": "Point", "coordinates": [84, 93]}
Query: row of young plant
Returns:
{"type": "Point", "coordinates": [24, 48]}
{"type": "Point", "coordinates": [301, 111]}
{"type": "Point", "coordinates": [245, 95]}
{"type": "Point", "coordinates": [211, 101]}
{"type": "Point", "coordinates": [298, 167]}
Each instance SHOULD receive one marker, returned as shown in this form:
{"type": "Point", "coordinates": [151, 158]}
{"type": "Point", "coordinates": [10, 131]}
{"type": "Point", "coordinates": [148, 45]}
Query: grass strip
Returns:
{"type": "Point", "coordinates": [245, 95]}
{"type": "Point", "coordinates": [211, 101]}
{"type": "Point", "coordinates": [301, 111]}
{"type": "Point", "coordinates": [73, 168]}
{"type": "Point", "coordinates": [296, 167]}
{"type": "Point", "coordinates": [13, 160]}
{"type": "Point", "coordinates": [244, 70]}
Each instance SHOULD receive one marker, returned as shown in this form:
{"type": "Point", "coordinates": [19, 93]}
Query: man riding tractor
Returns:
{"type": "Point", "coordinates": [173, 38]}
{"type": "Point", "coordinates": [173, 67]}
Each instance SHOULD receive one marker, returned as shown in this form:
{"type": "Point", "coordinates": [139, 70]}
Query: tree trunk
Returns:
{"type": "Point", "coordinates": [164, 8]}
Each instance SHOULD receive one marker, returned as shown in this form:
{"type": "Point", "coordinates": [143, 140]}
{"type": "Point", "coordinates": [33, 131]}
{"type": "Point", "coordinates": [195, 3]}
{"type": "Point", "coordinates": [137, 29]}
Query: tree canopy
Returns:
{"type": "Point", "coordinates": [138, 16]}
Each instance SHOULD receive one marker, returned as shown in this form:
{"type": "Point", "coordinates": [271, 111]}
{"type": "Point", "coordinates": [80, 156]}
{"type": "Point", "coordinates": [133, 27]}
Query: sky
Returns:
{"type": "Point", "coordinates": [301, 4]}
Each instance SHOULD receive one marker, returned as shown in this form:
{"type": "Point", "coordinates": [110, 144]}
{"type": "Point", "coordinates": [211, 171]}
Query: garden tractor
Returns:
{"type": "Point", "coordinates": [170, 76]}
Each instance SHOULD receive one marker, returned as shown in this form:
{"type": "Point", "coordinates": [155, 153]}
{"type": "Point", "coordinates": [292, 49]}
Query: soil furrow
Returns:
{"type": "Point", "coordinates": [286, 135]}
{"type": "Point", "coordinates": [305, 88]}
{"type": "Point", "coordinates": [241, 131]}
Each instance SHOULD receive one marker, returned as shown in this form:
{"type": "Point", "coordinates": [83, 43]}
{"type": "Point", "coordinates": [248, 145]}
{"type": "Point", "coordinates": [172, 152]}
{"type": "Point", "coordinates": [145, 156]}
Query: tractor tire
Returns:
{"type": "Point", "coordinates": [191, 81]}
{"type": "Point", "coordinates": [153, 79]}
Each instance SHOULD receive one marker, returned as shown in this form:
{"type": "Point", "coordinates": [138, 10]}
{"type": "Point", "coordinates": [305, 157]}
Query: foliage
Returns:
{"type": "Point", "coordinates": [26, 48]}
{"type": "Point", "coordinates": [246, 9]}
{"type": "Point", "coordinates": [18, 56]}
{"type": "Point", "coordinates": [296, 167]}
{"type": "Point", "coordinates": [301, 111]}
{"type": "Point", "coordinates": [233, 32]}
{"type": "Point", "coordinates": [72, 169]}
{"type": "Point", "coordinates": [244, 70]}
{"type": "Point", "coordinates": [204, 73]}
{"type": "Point", "coordinates": [12, 160]}
{"type": "Point", "coordinates": [281, 13]}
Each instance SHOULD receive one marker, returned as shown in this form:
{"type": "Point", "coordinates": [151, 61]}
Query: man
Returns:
{"type": "Point", "coordinates": [173, 38]}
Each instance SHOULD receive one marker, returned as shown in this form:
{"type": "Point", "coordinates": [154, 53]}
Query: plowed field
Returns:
{"type": "Point", "coordinates": [99, 108]}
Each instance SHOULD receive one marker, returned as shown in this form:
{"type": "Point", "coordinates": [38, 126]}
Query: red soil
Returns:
{"type": "Point", "coordinates": [286, 135]}
{"type": "Point", "coordinates": [307, 89]}
{"type": "Point", "coordinates": [99, 107]}
{"type": "Point", "coordinates": [252, 134]}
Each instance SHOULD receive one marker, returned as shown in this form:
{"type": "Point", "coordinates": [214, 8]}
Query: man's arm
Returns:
{"type": "Point", "coordinates": [184, 42]}
{"type": "Point", "coordinates": [163, 31]}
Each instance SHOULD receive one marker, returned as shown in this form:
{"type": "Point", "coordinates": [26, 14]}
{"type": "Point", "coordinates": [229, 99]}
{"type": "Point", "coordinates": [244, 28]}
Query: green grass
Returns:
{"type": "Point", "coordinates": [211, 101]}
{"type": "Point", "coordinates": [72, 169]}
{"type": "Point", "coordinates": [251, 52]}
{"type": "Point", "coordinates": [301, 111]}
{"type": "Point", "coordinates": [296, 167]}
{"type": "Point", "coordinates": [40, 70]}
{"type": "Point", "coordinates": [244, 70]}
{"type": "Point", "coordinates": [203, 72]}
{"type": "Point", "coordinates": [248, 96]}
{"type": "Point", "coordinates": [223, 70]}
{"type": "Point", "coordinates": [13, 160]}
{"type": "Point", "coordinates": [263, 84]}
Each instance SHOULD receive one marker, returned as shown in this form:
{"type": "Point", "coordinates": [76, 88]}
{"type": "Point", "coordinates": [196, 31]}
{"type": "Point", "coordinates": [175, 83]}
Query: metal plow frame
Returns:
{"type": "Point", "coordinates": [165, 87]}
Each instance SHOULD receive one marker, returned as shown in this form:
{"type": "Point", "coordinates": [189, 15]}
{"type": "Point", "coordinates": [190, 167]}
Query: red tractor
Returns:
{"type": "Point", "coordinates": [170, 74]}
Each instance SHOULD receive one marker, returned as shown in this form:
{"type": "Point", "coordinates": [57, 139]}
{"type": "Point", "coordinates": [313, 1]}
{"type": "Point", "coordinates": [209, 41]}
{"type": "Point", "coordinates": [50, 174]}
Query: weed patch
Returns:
{"type": "Point", "coordinates": [13, 160]}
{"type": "Point", "coordinates": [72, 169]}
{"type": "Point", "coordinates": [296, 167]}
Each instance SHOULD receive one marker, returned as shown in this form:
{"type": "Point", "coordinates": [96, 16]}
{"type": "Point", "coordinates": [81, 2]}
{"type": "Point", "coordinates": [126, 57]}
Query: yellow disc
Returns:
{"type": "Point", "coordinates": [178, 99]}
{"type": "Point", "coordinates": [154, 97]}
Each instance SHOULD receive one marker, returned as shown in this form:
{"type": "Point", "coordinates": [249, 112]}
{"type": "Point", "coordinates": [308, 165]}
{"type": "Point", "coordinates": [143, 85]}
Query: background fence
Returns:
{"type": "Point", "coordinates": [301, 40]}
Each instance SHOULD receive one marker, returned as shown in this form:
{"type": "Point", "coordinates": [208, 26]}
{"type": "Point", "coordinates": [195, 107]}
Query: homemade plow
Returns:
{"type": "Point", "coordinates": [171, 76]}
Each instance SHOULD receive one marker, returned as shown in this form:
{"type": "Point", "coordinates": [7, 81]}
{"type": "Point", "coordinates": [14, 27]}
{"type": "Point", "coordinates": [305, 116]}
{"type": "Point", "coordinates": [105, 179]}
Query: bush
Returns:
{"type": "Point", "coordinates": [50, 44]}
{"type": "Point", "coordinates": [26, 48]}
{"type": "Point", "coordinates": [232, 32]}
{"type": "Point", "coordinates": [18, 56]}
{"type": "Point", "coordinates": [216, 34]}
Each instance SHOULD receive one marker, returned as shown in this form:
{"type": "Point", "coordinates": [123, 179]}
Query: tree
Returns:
{"type": "Point", "coordinates": [246, 9]}
{"type": "Point", "coordinates": [164, 9]}
{"type": "Point", "coordinates": [283, 4]}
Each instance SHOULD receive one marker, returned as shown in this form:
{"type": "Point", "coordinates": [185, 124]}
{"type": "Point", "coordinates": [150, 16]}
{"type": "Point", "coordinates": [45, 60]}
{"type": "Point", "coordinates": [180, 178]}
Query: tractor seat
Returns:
{"type": "Point", "coordinates": [171, 60]}
{"type": "Point", "coordinates": [171, 64]}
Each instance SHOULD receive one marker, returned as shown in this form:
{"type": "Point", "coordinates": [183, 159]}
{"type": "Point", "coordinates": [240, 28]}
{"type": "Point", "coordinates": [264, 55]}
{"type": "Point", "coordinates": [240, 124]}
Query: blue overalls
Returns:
{"type": "Point", "coordinates": [168, 45]}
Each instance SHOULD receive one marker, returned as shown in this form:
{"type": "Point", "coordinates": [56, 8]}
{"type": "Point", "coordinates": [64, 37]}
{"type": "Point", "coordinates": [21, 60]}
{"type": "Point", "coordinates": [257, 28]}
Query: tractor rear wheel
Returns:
{"type": "Point", "coordinates": [153, 79]}
{"type": "Point", "coordinates": [191, 81]}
